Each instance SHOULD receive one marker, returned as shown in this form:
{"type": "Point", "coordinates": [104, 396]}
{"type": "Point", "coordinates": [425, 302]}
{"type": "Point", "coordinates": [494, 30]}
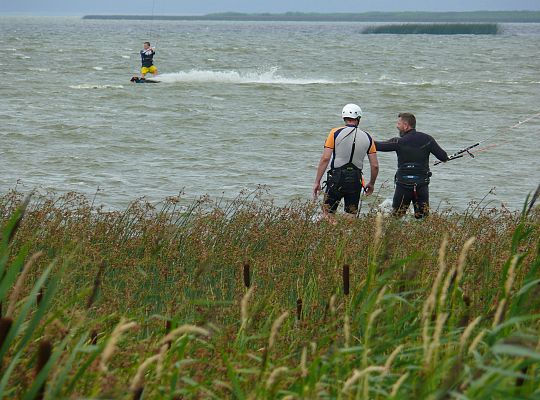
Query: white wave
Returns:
{"type": "Point", "coordinates": [91, 86]}
{"type": "Point", "coordinates": [268, 77]}
{"type": "Point", "coordinates": [126, 57]}
{"type": "Point", "coordinates": [38, 69]}
{"type": "Point", "coordinates": [98, 68]}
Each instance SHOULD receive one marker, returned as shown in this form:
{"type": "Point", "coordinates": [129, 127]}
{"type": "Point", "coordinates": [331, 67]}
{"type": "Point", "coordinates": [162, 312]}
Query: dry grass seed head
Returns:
{"type": "Point", "coordinates": [463, 257]}
{"type": "Point", "coordinates": [476, 341]}
{"type": "Point", "coordinates": [138, 379]}
{"type": "Point", "coordinates": [467, 332]}
{"type": "Point", "coordinates": [396, 386]}
{"type": "Point", "coordinates": [182, 330]}
{"type": "Point", "coordinates": [359, 374]}
{"type": "Point", "coordinates": [20, 283]}
{"type": "Point", "coordinates": [391, 358]}
{"type": "Point", "coordinates": [244, 305]}
{"type": "Point", "coordinates": [275, 328]}
{"type": "Point", "coordinates": [110, 348]}
{"type": "Point", "coordinates": [272, 379]}
{"type": "Point", "coordinates": [303, 362]}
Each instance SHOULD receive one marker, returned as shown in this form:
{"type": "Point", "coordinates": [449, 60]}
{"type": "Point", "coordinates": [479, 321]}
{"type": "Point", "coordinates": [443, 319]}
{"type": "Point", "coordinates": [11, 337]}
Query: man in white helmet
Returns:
{"type": "Point", "coordinates": [345, 150]}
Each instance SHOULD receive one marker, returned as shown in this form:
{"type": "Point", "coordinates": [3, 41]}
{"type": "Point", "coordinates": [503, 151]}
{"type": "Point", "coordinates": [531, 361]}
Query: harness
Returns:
{"type": "Point", "coordinates": [347, 178]}
{"type": "Point", "coordinates": [412, 175]}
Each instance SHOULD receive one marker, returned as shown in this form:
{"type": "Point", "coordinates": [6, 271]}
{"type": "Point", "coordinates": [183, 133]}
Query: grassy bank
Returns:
{"type": "Point", "coordinates": [434, 29]}
{"type": "Point", "coordinates": [248, 300]}
{"type": "Point", "coordinates": [413, 16]}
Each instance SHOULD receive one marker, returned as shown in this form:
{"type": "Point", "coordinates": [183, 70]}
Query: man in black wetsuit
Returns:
{"type": "Point", "coordinates": [412, 177]}
{"type": "Point", "coordinates": [147, 60]}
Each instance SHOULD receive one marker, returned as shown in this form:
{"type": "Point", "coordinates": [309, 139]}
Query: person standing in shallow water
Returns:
{"type": "Point", "coordinates": [345, 149]}
{"type": "Point", "coordinates": [147, 60]}
{"type": "Point", "coordinates": [412, 178]}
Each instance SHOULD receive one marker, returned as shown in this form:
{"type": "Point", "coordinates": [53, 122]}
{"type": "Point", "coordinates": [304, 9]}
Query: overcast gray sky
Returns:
{"type": "Point", "coordinates": [80, 7]}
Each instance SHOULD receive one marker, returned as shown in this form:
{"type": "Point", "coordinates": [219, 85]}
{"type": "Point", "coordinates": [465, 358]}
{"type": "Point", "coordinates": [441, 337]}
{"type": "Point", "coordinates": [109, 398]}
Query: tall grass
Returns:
{"type": "Point", "coordinates": [249, 300]}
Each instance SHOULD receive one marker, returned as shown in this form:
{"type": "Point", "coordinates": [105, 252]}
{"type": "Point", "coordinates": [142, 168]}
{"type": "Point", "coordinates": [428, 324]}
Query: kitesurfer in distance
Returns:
{"type": "Point", "coordinates": [345, 150]}
{"type": "Point", "coordinates": [147, 60]}
{"type": "Point", "coordinates": [412, 178]}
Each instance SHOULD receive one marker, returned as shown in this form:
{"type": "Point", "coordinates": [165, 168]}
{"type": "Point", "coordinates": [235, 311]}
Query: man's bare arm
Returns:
{"type": "Point", "coordinates": [374, 166]}
{"type": "Point", "coordinates": [323, 164]}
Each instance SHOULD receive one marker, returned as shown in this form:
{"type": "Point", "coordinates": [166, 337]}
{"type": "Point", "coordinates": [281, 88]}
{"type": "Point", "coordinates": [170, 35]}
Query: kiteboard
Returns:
{"type": "Point", "coordinates": [136, 79]}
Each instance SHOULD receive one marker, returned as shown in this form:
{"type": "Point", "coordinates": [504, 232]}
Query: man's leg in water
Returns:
{"type": "Point", "coordinates": [402, 200]}
{"type": "Point", "coordinates": [421, 203]}
{"type": "Point", "coordinates": [332, 198]}
{"type": "Point", "coordinates": [351, 204]}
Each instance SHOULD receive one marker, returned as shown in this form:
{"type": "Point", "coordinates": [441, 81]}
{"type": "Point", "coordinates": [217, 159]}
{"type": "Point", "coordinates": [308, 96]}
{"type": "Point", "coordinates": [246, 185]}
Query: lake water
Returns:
{"type": "Point", "coordinates": [246, 104]}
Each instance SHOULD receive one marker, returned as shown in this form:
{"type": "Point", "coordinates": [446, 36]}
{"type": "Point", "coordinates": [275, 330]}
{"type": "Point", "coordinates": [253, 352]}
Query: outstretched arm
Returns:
{"type": "Point", "coordinates": [323, 164]}
{"type": "Point", "coordinates": [387, 145]}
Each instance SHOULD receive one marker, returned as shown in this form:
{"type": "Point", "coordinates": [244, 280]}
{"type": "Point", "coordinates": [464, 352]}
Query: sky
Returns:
{"type": "Point", "coordinates": [190, 7]}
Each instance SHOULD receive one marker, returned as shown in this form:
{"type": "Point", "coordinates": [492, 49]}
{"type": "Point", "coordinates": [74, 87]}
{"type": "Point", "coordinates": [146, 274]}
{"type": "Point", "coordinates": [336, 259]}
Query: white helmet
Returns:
{"type": "Point", "coordinates": [351, 111]}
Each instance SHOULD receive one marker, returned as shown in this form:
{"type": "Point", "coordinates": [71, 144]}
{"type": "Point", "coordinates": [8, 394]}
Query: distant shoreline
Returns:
{"type": "Point", "coordinates": [472, 16]}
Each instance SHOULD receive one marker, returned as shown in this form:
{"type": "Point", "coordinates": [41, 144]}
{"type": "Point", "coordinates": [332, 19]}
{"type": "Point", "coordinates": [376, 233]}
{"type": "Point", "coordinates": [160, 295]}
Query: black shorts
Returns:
{"type": "Point", "coordinates": [404, 195]}
{"type": "Point", "coordinates": [333, 197]}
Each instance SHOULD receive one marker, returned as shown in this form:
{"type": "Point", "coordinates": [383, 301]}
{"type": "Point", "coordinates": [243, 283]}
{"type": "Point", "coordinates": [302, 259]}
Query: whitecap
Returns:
{"type": "Point", "coordinates": [126, 57]}
{"type": "Point", "coordinates": [93, 86]}
{"type": "Point", "coordinates": [266, 77]}
{"type": "Point", "coordinates": [98, 68]}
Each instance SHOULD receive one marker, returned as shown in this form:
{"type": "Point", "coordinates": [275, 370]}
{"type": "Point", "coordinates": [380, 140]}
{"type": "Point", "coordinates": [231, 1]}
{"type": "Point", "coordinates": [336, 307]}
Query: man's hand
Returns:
{"type": "Point", "coordinates": [316, 190]}
{"type": "Point", "coordinates": [369, 188]}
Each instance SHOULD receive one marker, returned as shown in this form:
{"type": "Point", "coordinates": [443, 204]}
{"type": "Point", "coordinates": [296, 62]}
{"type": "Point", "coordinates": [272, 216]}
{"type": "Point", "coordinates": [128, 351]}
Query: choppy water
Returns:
{"type": "Point", "coordinates": [247, 104]}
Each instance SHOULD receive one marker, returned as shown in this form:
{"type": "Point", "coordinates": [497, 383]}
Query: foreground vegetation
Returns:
{"type": "Point", "coordinates": [251, 301]}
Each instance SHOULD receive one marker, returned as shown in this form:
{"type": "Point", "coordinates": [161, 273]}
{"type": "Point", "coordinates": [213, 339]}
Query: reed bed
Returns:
{"type": "Point", "coordinates": [248, 300]}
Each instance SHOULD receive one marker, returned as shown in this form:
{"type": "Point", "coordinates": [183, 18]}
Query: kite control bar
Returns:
{"type": "Point", "coordinates": [460, 153]}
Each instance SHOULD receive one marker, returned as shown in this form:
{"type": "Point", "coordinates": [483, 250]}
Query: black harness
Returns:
{"type": "Point", "coordinates": [412, 174]}
{"type": "Point", "coordinates": [347, 178]}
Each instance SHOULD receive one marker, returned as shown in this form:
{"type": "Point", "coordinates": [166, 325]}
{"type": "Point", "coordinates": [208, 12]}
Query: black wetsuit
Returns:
{"type": "Point", "coordinates": [412, 177]}
{"type": "Point", "coordinates": [147, 58]}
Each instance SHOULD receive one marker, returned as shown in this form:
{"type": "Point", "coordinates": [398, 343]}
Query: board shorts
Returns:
{"type": "Point", "coordinates": [151, 69]}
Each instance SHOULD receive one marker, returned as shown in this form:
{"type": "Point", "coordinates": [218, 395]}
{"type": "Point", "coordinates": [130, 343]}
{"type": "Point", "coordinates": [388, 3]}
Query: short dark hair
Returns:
{"type": "Point", "coordinates": [148, 43]}
{"type": "Point", "coordinates": [408, 118]}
